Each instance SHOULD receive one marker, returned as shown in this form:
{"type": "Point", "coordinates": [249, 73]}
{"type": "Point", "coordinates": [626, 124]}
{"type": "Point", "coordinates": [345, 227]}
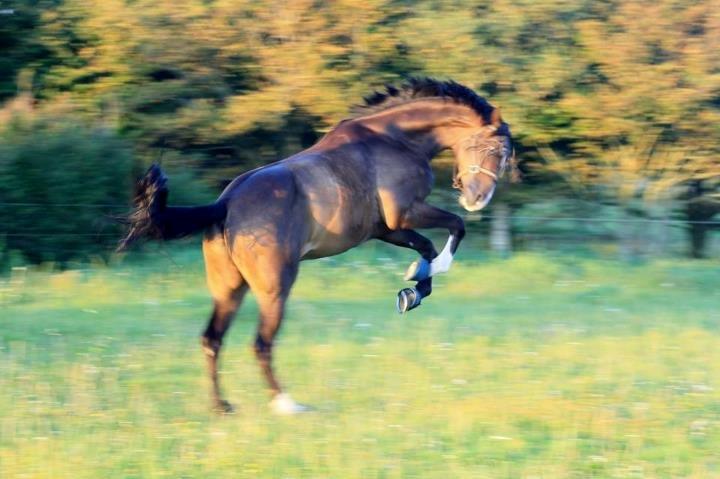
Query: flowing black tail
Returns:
{"type": "Point", "coordinates": [152, 218]}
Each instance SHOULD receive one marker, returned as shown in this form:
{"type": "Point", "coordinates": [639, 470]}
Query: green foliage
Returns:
{"type": "Point", "coordinates": [20, 45]}
{"type": "Point", "coordinates": [615, 102]}
{"type": "Point", "coordinates": [59, 181]}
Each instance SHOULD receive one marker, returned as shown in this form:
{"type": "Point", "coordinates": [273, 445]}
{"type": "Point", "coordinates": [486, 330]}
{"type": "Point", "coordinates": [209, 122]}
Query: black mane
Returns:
{"type": "Point", "coordinates": [422, 87]}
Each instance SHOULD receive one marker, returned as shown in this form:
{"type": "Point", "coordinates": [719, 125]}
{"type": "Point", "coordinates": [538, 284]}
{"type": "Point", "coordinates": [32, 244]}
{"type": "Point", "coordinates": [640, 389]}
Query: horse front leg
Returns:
{"type": "Point", "coordinates": [410, 298]}
{"type": "Point", "coordinates": [422, 215]}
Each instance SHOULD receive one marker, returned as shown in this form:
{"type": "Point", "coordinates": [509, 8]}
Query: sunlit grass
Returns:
{"type": "Point", "coordinates": [545, 367]}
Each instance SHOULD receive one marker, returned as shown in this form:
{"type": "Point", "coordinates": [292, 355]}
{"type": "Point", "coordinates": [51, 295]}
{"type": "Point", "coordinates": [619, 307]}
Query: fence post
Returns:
{"type": "Point", "coordinates": [500, 236]}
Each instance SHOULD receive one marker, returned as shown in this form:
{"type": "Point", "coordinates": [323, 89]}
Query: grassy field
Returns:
{"type": "Point", "coordinates": [534, 367]}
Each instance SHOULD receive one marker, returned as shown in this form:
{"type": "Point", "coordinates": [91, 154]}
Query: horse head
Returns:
{"type": "Point", "coordinates": [481, 158]}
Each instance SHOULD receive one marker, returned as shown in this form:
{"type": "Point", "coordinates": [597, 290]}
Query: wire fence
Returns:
{"type": "Point", "coordinates": [35, 233]}
{"type": "Point", "coordinates": [665, 221]}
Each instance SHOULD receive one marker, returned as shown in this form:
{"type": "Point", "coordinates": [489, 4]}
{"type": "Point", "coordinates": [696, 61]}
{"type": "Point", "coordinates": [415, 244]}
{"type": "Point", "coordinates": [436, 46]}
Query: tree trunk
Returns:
{"type": "Point", "coordinates": [500, 234]}
{"type": "Point", "coordinates": [700, 208]}
{"type": "Point", "coordinates": [698, 235]}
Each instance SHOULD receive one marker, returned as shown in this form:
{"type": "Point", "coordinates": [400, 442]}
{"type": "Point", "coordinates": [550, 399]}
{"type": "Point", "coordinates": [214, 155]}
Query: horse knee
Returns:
{"type": "Point", "coordinates": [426, 248]}
{"type": "Point", "coordinates": [458, 228]}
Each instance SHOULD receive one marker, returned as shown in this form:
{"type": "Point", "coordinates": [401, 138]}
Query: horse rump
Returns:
{"type": "Point", "coordinates": [152, 218]}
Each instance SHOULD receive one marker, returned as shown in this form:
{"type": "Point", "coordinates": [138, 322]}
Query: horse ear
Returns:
{"type": "Point", "coordinates": [495, 118]}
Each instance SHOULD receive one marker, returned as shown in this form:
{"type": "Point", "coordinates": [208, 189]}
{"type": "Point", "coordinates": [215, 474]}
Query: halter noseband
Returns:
{"type": "Point", "coordinates": [477, 167]}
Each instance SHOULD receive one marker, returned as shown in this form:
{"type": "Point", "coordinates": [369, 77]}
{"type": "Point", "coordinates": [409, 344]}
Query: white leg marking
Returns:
{"type": "Point", "coordinates": [442, 263]}
{"type": "Point", "coordinates": [283, 404]}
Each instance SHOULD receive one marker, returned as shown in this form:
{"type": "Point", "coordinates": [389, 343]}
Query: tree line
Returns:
{"type": "Point", "coordinates": [610, 102]}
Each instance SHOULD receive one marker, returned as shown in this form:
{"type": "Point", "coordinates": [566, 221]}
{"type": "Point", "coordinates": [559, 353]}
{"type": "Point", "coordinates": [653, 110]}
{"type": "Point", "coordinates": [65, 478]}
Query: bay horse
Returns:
{"type": "Point", "coordinates": [366, 179]}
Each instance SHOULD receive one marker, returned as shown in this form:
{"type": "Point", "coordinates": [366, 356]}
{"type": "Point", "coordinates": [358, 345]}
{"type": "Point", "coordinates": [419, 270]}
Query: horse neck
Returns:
{"type": "Point", "coordinates": [427, 126]}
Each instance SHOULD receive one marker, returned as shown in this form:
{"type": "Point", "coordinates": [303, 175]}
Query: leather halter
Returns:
{"type": "Point", "coordinates": [477, 166]}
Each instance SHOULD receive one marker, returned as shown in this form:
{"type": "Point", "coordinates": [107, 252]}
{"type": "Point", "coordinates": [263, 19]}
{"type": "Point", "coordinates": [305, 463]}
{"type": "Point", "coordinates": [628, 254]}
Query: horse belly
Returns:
{"type": "Point", "coordinates": [323, 250]}
{"type": "Point", "coordinates": [338, 233]}
{"type": "Point", "coordinates": [326, 244]}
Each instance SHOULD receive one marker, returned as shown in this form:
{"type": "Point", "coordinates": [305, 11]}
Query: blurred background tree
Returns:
{"type": "Point", "coordinates": [614, 106]}
{"type": "Point", "coordinates": [58, 173]}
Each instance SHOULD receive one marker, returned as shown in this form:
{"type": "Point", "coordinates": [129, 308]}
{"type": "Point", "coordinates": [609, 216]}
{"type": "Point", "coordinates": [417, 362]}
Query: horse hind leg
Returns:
{"type": "Point", "coordinates": [272, 308]}
{"type": "Point", "coordinates": [220, 319]}
{"type": "Point", "coordinates": [227, 288]}
{"type": "Point", "coordinates": [270, 277]}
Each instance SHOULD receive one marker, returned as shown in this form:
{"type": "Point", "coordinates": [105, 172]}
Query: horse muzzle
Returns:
{"type": "Point", "coordinates": [474, 200]}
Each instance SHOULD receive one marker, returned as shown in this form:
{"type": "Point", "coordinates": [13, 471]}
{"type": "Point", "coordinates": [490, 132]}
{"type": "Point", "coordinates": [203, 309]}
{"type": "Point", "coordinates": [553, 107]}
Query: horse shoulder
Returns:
{"type": "Point", "coordinates": [401, 185]}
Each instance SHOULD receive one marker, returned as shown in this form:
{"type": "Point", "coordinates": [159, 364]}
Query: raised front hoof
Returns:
{"type": "Point", "coordinates": [283, 405]}
{"type": "Point", "coordinates": [407, 299]}
{"type": "Point", "coordinates": [418, 270]}
{"type": "Point", "coordinates": [223, 407]}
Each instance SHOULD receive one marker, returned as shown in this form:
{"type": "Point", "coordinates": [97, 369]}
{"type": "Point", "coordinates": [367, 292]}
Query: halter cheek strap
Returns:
{"type": "Point", "coordinates": [474, 168]}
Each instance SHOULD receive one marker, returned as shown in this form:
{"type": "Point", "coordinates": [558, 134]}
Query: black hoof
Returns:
{"type": "Point", "coordinates": [223, 407]}
{"type": "Point", "coordinates": [407, 299]}
{"type": "Point", "coordinates": [418, 270]}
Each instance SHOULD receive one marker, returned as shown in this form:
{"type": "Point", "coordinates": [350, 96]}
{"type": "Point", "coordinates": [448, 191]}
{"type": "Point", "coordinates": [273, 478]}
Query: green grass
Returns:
{"type": "Point", "coordinates": [534, 367]}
